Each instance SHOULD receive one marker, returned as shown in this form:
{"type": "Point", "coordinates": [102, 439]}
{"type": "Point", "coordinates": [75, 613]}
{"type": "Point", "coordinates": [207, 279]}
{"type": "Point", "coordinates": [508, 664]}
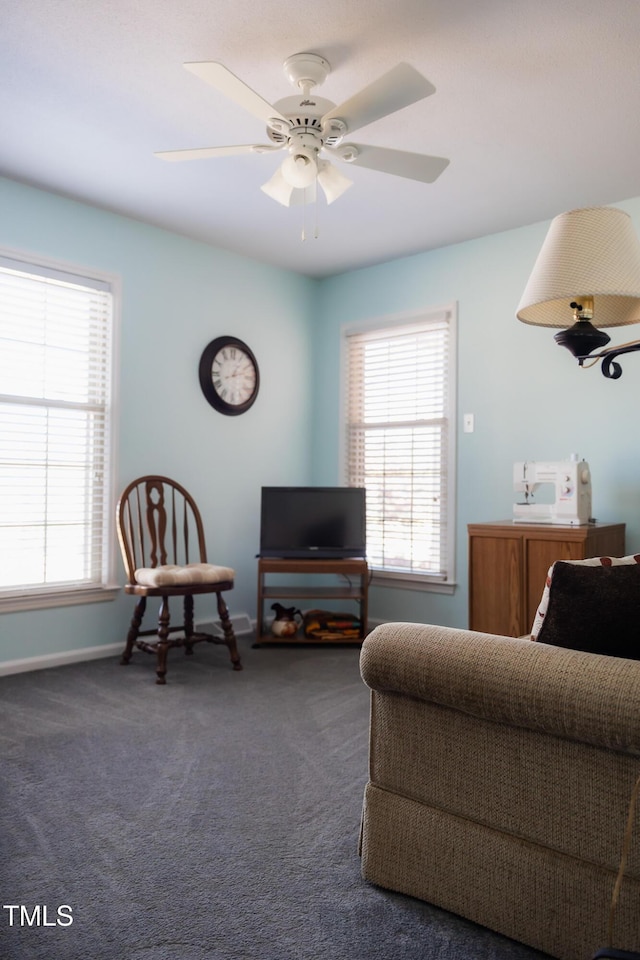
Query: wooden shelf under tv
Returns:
{"type": "Point", "coordinates": [354, 567]}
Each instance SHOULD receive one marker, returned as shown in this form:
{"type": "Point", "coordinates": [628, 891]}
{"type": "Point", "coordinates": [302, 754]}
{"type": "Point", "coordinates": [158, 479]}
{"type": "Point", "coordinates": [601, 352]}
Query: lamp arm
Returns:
{"type": "Point", "coordinates": [609, 367]}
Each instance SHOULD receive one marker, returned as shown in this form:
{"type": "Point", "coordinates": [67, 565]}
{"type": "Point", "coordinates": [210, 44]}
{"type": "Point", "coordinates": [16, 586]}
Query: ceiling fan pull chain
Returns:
{"type": "Point", "coordinates": [304, 217]}
{"type": "Point", "coordinates": [310, 197]}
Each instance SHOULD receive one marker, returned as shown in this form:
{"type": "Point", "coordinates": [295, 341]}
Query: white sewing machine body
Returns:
{"type": "Point", "coordinates": [572, 484]}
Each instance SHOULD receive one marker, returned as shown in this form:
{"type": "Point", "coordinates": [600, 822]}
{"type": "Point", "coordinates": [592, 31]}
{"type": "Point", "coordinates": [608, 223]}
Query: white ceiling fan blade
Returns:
{"type": "Point", "coordinates": [400, 163]}
{"type": "Point", "coordinates": [205, 153]}
{"type": "Point", "coordinates": [398, 88]}
{"type": "Point", "coordinates": [226, 82]}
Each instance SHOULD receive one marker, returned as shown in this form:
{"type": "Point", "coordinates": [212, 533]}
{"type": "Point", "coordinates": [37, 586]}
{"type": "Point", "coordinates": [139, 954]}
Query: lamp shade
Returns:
{"type": "Point", "coordinates": [589, 253]}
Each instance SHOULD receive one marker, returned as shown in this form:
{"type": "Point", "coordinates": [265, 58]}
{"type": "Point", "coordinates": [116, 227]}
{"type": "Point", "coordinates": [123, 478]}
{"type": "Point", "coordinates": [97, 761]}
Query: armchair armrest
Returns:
{"type": "Point", "coordinates": [579, 696]}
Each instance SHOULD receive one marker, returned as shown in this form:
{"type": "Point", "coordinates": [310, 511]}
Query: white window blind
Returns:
{"type": "Point", "coordinates": [398, 443]}
{"type": "Point", "coordinates": [55, 355]}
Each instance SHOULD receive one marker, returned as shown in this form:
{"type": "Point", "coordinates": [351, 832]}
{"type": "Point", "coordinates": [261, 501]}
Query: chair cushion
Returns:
{"type": "Point", "coordinates": [594, 608]}
{"type": "Point", "coordinates": [541, 612]}
{"type": "Point", "coordinates": [172, 575]}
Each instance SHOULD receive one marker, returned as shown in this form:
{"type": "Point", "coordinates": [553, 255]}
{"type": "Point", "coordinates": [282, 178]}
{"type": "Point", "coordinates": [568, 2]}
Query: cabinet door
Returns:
{"type": "Point", "coordinates": [540, 554]}
{"type": "Point", "coordinates": [495, 589]}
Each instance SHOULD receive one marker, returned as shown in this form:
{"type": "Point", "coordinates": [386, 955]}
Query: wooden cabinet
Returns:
{"type": "Point", "coordinates": [508, 564]}
{"type": "Point", "coordinates": [349, 581]}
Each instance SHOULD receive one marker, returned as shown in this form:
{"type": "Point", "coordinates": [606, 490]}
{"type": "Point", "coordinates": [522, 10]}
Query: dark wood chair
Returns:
{"type": "Point", "coordinates": [163, 549]}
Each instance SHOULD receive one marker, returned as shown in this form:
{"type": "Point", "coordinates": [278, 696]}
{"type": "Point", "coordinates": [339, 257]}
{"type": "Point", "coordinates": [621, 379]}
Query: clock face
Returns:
{"type": "Point", "coordinates": [229, 375]}
{"type": "Point", "coordinates": [233, 375]}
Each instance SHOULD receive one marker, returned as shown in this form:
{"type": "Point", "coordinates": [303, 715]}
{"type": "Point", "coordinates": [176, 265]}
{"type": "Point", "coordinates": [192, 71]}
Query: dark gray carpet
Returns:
{"type": "Point", "coordinates": [215, 818]}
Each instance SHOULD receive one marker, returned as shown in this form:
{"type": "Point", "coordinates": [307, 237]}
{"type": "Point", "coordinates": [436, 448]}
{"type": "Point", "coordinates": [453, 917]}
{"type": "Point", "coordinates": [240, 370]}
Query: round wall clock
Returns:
{"type": "Point", "coordinates": [229, 375]}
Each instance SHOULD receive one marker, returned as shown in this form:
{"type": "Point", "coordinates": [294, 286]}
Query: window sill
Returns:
{"type": "Point", "coordinates": [14, 602]}
{"type": "Point", "coordinates": [409, 581]}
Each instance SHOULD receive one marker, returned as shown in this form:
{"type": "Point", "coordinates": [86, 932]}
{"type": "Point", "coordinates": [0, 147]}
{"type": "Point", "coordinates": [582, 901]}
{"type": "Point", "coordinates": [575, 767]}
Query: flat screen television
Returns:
{"type": "Point", "coordinates": [313, 522]}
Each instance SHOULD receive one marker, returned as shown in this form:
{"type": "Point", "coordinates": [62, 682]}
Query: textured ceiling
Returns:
{"type": "Point", "coordinates": [536, 106]}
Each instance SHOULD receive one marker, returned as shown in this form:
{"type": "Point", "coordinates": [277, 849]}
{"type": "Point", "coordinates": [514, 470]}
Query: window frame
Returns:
{"type": "Point", "coordinates": [449, 311]}
{"type": "Point", "coordinates": [37, 597]}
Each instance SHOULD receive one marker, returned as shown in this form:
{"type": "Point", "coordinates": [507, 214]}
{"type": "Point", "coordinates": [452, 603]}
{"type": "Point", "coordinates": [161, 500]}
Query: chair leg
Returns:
{"type": "Point", "coordinates": [134, 630]}
{"type": "Point", "coordinates": [163, 641]}
{"type": "Point", "coordinates": [188, 624]}
{"type": "Point", "coordinates": [229, 635]}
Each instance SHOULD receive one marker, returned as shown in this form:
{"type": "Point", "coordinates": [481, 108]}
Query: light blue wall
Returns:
{"type": "Point", "coordinates": [529, 398]}
{"type": "Point", "coordinates": [177, 295]}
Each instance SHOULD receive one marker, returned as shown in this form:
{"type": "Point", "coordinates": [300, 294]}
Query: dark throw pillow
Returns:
{"type": "Point", "coordinates": [594, 608]}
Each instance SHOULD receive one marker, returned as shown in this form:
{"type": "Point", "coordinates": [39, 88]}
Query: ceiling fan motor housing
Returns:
{"type": "Point", "coordinates": [304, 115]}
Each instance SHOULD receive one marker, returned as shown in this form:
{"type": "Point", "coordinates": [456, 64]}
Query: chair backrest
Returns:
{"type": "Point", "coordinates": [158, 523]}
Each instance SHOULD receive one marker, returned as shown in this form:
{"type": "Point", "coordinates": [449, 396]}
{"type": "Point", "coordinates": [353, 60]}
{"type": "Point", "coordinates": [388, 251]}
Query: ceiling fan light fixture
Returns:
{"type": "Point", "coordinates": [301, 168]}
{"type": "Point", "coordinates": [279, 189]}
{"type": "Point", "coordinates": [333, 182]}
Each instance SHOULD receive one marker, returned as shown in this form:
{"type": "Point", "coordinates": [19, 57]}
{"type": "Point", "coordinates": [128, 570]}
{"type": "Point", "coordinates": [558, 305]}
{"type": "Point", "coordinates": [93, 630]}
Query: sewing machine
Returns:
{"type": "Point", "coordinates": [572, 484]}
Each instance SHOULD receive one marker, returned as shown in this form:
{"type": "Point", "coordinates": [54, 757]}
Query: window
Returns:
{"type": "Point", "coordinates": [56, 332]}
{"type": "Point", "coordinates": [399, 402]}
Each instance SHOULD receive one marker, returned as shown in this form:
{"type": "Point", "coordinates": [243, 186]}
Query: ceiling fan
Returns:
{"type": "Point", "coordinates": [312, 129]}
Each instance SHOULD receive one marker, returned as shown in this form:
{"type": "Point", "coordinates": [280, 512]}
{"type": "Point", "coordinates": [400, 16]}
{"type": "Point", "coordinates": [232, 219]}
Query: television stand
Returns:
{"type": "Point", "coordinates": [355, 568]}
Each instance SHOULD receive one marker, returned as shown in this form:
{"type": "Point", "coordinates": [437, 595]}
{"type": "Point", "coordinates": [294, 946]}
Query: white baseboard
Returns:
{"type": "Point", "coordinates": [243, 625]}
{"type": "Point", "coordinates": [59, 659]}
